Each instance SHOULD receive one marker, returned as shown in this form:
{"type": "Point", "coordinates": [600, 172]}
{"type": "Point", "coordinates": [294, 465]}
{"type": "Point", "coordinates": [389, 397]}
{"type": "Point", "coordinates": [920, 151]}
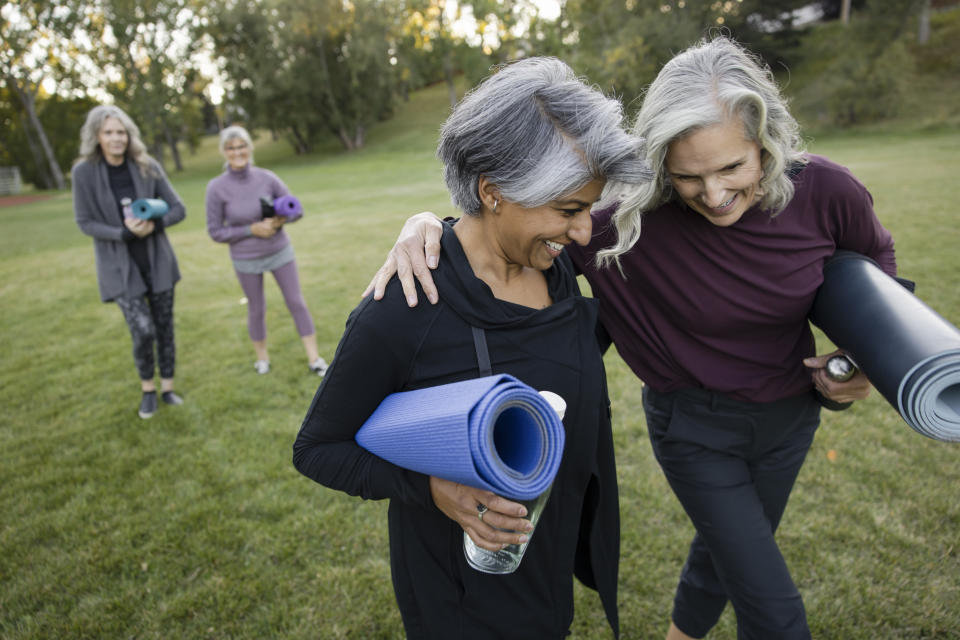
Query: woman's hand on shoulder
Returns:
{"type": "Point", "coordinates": [856, 388]}
{"type": "Point", "coordinates": [415, 253]}
{"type": "Point", "coordinates": [459, 503]}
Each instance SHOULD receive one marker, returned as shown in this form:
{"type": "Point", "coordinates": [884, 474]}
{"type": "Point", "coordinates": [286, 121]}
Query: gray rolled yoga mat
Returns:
{"type": "Point", "coordinates": [909, 352]}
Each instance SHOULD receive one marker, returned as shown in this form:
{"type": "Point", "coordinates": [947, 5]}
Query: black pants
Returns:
{"type": "Point", "coordinates": [150, 320]}
{"type": "Point", "coordinates": [732, 465]}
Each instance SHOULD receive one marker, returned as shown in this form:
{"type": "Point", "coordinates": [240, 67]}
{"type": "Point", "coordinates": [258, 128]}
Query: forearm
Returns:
{"type": "Point", "coordinates": [103, 231]}
{"type": "Point", "coordinates": [345, 466]}
{"type": "Point", "coordinates": [177, 212]}
{"type": "Point", "coordinates": [227, 234]}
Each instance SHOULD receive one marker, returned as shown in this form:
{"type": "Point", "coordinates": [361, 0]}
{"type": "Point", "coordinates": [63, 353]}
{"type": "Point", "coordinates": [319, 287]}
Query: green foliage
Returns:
{"type": "Point", "coordinates": [309, 69]}
{"type": "Point", "coordinates": [194, 524]}
{"type": "Point", "coordinates": [61, 118]}
{"type": "Point", "coordinates": [939, 54]}
{"type": "Point", "coordinates": [861, 88]}
{"type": "Point", "coordinates": [873, 71]}
{"type": "Point", "coordinates": [151, 47]}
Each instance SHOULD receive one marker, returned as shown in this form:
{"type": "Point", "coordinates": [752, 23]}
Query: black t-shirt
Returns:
{"type": "Point", "coordinates": [121, 183]}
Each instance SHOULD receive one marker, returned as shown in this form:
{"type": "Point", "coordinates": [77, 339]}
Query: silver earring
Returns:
{"type": "Point", "coordinates": [496, 203]}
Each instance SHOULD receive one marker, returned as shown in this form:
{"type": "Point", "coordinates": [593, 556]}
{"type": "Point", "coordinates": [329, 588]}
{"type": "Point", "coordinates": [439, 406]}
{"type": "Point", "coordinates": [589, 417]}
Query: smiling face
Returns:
{"type": "Point", "coordinates": [716, 171]}
{"type": "Point", "coordinates": [534, 237]}
{"type": "Point", "coordinates": [113, 140]}
{"type": "Point", "coordinates": [237, 153]}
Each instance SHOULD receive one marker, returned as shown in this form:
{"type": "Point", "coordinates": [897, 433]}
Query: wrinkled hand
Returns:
{"type": "Point", "coordinates": [856, 388]}
{"type": "Point", "coordinates": [459, 503]}
{"type": "Point", "coordinates": [416, 252]}
{"type": "Point", "coordinates": [138, 227]}
{"type": "Point", "coordinates": [263, 229]}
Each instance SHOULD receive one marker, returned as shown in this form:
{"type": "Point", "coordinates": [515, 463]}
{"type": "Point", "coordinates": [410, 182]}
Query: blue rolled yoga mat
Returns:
{"type": "Point", "coordinates": [908, 351]}
{"type": "Point", "coordinates": [149, 208]}
{"type": "Point", "coordinates": [493, 433]}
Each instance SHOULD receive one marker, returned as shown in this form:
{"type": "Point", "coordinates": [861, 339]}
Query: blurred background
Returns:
{"type": "Point", "coordinates": [319, 73]}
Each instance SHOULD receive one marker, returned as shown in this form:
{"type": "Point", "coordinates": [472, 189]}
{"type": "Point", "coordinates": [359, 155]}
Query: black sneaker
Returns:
{"type": "Point", "coordinates": [148, 404]}
{"type": "Point", "coordinates": [170, 397]}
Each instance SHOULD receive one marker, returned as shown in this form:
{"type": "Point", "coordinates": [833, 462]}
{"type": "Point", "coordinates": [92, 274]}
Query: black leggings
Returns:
{"type": "Point", "coordinates": [150, 319]}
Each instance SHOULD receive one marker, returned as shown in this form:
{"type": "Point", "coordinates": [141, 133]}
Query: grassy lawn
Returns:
{"type": "Point", "coordinates": [195, 524]}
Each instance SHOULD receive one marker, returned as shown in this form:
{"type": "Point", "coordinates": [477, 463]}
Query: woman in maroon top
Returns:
{"type": "Point", "coordinates": [708, 306]}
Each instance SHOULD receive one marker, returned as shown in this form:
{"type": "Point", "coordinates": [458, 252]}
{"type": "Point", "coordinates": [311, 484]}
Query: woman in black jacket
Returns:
{"type": "Point", "coordinates": [526, 154]}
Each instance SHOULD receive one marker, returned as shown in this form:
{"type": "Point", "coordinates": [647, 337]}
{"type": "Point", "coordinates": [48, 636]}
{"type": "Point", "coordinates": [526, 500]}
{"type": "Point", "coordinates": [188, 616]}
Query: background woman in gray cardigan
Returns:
{"type": "Point", "coordinates": [136, 267]}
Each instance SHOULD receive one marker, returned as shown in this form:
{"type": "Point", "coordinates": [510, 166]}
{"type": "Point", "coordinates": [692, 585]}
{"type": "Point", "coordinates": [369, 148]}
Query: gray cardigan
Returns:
{"type": "Point", "coordinates": [95, 209]}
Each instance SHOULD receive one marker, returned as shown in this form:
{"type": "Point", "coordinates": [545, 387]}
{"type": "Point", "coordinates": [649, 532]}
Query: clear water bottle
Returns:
{"type": "Point", "coordinates": [126, 205]}
{"type": "Point", "coordinates": [507, 560]}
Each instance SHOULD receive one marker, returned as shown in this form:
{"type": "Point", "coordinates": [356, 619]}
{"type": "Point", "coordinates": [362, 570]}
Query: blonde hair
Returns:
{"type": "Point", "coordinates": [705, 85]}
{"type": "Point", "coordinates": [90, 150]}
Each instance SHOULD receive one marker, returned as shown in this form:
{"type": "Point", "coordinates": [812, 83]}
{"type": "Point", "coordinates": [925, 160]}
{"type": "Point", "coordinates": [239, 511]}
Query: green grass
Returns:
{"type": "Point", "coordinates": [195, 524]}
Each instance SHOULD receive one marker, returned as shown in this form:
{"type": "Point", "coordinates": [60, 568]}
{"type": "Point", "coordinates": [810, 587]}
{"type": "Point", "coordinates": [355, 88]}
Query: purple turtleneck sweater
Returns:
{"type": "Point", "coordinates": [233, 204]}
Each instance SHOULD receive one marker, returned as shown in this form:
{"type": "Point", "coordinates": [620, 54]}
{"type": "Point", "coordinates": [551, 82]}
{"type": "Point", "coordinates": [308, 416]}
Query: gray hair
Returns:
{"type": "Point", "coordinates": [538, 132]}
{"type": "Point", "coordinates": [703, 86]}
{"type": "Point", "coordinates": [90, 144]}
{"type": "Point", "coordinates": [235, 132]}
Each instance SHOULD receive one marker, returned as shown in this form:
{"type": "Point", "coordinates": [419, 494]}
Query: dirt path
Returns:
{"type": "Point", "coordinates": [10, 201]}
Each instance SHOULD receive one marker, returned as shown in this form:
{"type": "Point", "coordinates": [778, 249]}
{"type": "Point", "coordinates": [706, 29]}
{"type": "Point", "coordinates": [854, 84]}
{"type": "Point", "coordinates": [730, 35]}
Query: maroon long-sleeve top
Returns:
{"type": "Point", "coordinates": [725, 308]}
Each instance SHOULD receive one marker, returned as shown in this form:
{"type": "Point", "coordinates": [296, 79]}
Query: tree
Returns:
{"type": "Point", "coordinates": [309, 68]}
{"type": "Point", "coordinates": [427, 26]}
{"type": "Point", "coordinates": [31, 47]}
{"type": "Point", "coordinates": [148, 47]}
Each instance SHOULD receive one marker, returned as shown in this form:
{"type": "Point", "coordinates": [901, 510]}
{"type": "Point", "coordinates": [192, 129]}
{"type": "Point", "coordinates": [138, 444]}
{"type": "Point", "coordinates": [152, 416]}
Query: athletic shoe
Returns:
{"type": "Point", "coordinates": [319, 366]}
{"type": "Point", "coordinates": [170, 397]}
{"type": "Point", "coordinates": [262, 366]}
{"type": "Point", "coordinates": [148, 404]}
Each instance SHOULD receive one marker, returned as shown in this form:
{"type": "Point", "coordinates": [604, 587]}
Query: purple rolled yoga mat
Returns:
{"type": "Point", "coordinates": [287, 206]}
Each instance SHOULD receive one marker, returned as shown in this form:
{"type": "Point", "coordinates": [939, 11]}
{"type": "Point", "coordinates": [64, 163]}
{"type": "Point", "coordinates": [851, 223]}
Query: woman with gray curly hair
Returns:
{"type": "Point", "coordinates": [136, 266]}
{"type": "Point", "coordinates": [525, 155]}
{"type": "Point", "coordinates": [708, 306]}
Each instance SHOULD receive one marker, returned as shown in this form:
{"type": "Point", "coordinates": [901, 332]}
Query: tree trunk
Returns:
{"type": "Point", "coordinates": [156, 150]}
{"type": "Point", "coordinates": [300, 144]}
{"type": "Point", "coordinates": [172, 143]}
{"type": "Point", "coordinates": [923, 30]}
{"type": "Point", "coordinates": [335, 116]}
{"type": "Point", "coordinates": [47, 159]}
{"type": "Point", "coordinates": [42, 180]}
{"type": "Point", "coordinates": [345, 139]}
{"type": "Point", "coordinates": [448, 77]}
{"type": "Point", "coordinates": [845, 12]}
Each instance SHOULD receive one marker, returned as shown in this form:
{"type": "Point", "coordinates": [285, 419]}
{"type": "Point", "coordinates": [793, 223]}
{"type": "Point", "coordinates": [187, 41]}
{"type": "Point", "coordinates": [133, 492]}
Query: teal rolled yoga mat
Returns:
{"type": "Point", "coordinates": [494, 433]}
{"type": "Point", "coordinates": [149, 208]}
{"type": "Point", "coordinates": [909, 352]}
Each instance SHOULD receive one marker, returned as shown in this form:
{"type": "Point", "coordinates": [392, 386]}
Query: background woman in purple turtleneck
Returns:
{"type": "Point", "coordinates": [257, 244]}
